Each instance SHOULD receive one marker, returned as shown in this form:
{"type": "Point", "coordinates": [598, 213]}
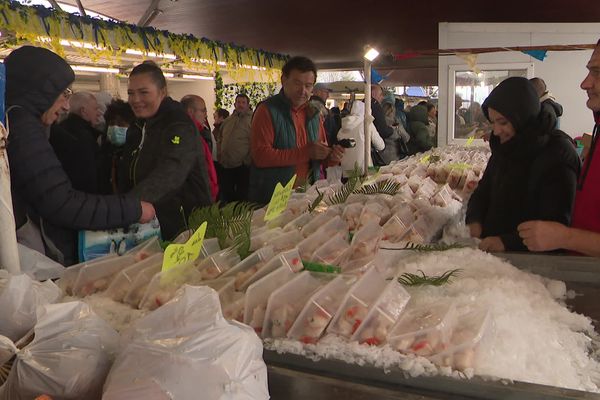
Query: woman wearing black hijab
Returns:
{"type": "Point", "coordinates": [532, 173]}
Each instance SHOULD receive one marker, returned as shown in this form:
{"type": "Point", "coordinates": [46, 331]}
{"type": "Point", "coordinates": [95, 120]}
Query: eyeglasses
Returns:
{"type": "Point", "coordinates": [67, 93]}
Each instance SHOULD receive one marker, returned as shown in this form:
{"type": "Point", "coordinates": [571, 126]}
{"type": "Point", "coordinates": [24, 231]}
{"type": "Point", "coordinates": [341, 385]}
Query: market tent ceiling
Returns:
{"type": "Point", "coordinates": [334, 33]}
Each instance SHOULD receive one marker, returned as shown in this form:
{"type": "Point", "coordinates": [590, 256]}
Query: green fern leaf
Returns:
{"type": "Point", "coordinates": [346, 190]}
{"type": "Point", "coordinates": [389, 186]}
{"type": "Point", "coordinates": [409, 279]}
{"type": "Point", "coordinates": [225, 223]}
{"type": "Point", "coordinates": [432, 247]}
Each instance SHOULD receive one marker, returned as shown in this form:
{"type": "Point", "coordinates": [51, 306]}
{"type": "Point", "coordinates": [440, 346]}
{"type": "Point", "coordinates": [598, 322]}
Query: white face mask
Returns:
{"type": "Point", "coordinates": [117, 134]}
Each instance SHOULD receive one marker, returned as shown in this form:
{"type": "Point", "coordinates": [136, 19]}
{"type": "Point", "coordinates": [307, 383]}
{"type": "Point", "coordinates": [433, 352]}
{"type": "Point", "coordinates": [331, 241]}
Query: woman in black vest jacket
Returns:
{"type": "Point", "coordinates": [532, 173]}
{"type": "Point", "coordinates": [37, 91]}
{"type": "Point", "coordinates": [163, 160]}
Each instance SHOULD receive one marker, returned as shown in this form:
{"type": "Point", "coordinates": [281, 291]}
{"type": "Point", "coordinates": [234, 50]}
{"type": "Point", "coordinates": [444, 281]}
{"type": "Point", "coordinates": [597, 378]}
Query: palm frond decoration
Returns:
{"type": "Point", "coordinates": [226, 223]}
{"type": "Point", "coordinates": [242, 242]}
{"type": "Point", "coordinates": [210, 214]}
{"type": "Point", "coordinates": [409, 279]}
{"type": "Point", "coordinates": [356, 174]}
{"type": "Point", "coordinates": [342, 195]}
{"type": "Point", "coordinates": [431, 247]}
{"type": "Point", "coordinates": [388, 186]}
{"type": "Point", "coordinates": [316, 202]}
{"type": "Point", "coordinates": [355, 179]}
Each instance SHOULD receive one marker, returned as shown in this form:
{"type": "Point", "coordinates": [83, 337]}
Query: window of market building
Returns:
{"type": "Point", "coordinates": [467, 91]}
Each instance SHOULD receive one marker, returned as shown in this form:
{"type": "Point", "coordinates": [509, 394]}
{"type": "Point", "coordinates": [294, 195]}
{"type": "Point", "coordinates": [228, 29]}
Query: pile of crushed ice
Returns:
{"type": "Point", "coordinates": [533, 337]}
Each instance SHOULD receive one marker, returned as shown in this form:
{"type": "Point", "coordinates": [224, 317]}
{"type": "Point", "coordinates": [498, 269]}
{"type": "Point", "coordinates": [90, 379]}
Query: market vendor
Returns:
{"type": "Point", "coordinates": [163, 161]}
{"type": "Point", "coordinates": [44, 200]}
{"type": "Point", "coordinates": [532, 173]}
{"type": "Point", "coordinates": [288, 136]}
{"type": "Point", "coordinates": [584, 234]}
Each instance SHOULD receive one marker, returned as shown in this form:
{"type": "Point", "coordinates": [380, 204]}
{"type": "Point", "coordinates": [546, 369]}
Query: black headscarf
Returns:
{"type": "Point", "coordinates": [35, 77]}
{"type": "Point", "coordinates": [516, 99]}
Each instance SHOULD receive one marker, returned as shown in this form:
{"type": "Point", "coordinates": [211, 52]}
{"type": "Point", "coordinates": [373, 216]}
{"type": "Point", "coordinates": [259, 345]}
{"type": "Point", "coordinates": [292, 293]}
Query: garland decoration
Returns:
{"type": "Point", "coordinates": [256, 91]}
{"type": "Point", "coordinates": [99, 39]}
{"type": "Point", "coordinates": [219, 90]}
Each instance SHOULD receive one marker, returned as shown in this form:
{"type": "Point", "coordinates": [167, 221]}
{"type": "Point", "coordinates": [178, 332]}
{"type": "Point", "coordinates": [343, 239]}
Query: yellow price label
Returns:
{"type": "Point", "coordinates": [425, 159]}
{"type": "Point", "coordinates": [279, 199]}
{"type": "Point", "coordinates": [461, 166]}
{"type": "Point", "coordinates": [470, 140]}
{"type": "Point", "coordinates": [177, 254]}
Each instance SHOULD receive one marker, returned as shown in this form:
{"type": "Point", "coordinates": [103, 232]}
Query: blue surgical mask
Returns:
{"type": "Point", "coordinates": [117, 134]}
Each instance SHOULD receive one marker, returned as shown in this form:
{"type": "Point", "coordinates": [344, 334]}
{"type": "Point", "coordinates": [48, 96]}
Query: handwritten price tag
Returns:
{"type": "Point", "coordinates": [177, 254]}
{"type": "Point", "coordinates": [470, 140]}
{"type": "Point", "coordinates": [279, 200]}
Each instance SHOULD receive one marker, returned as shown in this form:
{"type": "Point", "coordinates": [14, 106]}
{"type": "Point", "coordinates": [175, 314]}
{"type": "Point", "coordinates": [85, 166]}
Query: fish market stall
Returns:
{"type": "Point", "coordinates": [370, 288]}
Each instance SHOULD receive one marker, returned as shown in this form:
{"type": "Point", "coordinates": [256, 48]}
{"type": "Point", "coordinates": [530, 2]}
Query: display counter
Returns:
{"type": "Point", "coordinates": [296, 377]}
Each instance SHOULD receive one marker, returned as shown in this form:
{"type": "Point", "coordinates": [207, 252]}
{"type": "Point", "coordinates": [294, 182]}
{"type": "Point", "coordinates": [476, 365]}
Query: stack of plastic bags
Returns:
{"type": "Point", "coordinates": [19, 298]}
{"type": "Point", "coordinates": [187, 350]}
{"type": "Point", "coordinates": [68, 358]}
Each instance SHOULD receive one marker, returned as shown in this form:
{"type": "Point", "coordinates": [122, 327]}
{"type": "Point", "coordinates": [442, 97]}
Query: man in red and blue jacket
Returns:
{"type": "Point", "coordinates": [584, 234]}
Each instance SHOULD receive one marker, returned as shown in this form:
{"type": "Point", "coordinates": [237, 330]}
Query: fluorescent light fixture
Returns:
{"type": "Point", "coordinates": [254, 67]}
{"type": "Point", "coordinates": [151, 54]}
{"type": "Point", "coordinates": [87, 68]}
{"type": "Point", "coordinates": [81, 45]}
{"type": "Point", "coordinates": [169, 75]}
{"type": "Point", "coordinates": [72, 43]}
{"type": "Point", "coordinates": [371, 54]}
{"type": "Point", "coordinates": [197, 77]}
{"type": "Point", "coordinates": [224, 64]}
{"type": "Point", "coordinates": [201, 60]}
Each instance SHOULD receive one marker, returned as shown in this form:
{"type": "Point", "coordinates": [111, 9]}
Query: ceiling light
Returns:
{"type": "Point", "coordinates": [254, 67]}
{"type": "Point", "coordinates": [371, 54]}
{"type": "Point", "coordinates": [81, 45]}
{"type": "Point", "coordinates": [201, 60]}
{"type": "Point", "coordinates": [150, 54]}
{"type": "Point", "coordinates": [198, 77]}
{"type": "Point", "coordinates": [87, 68]}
